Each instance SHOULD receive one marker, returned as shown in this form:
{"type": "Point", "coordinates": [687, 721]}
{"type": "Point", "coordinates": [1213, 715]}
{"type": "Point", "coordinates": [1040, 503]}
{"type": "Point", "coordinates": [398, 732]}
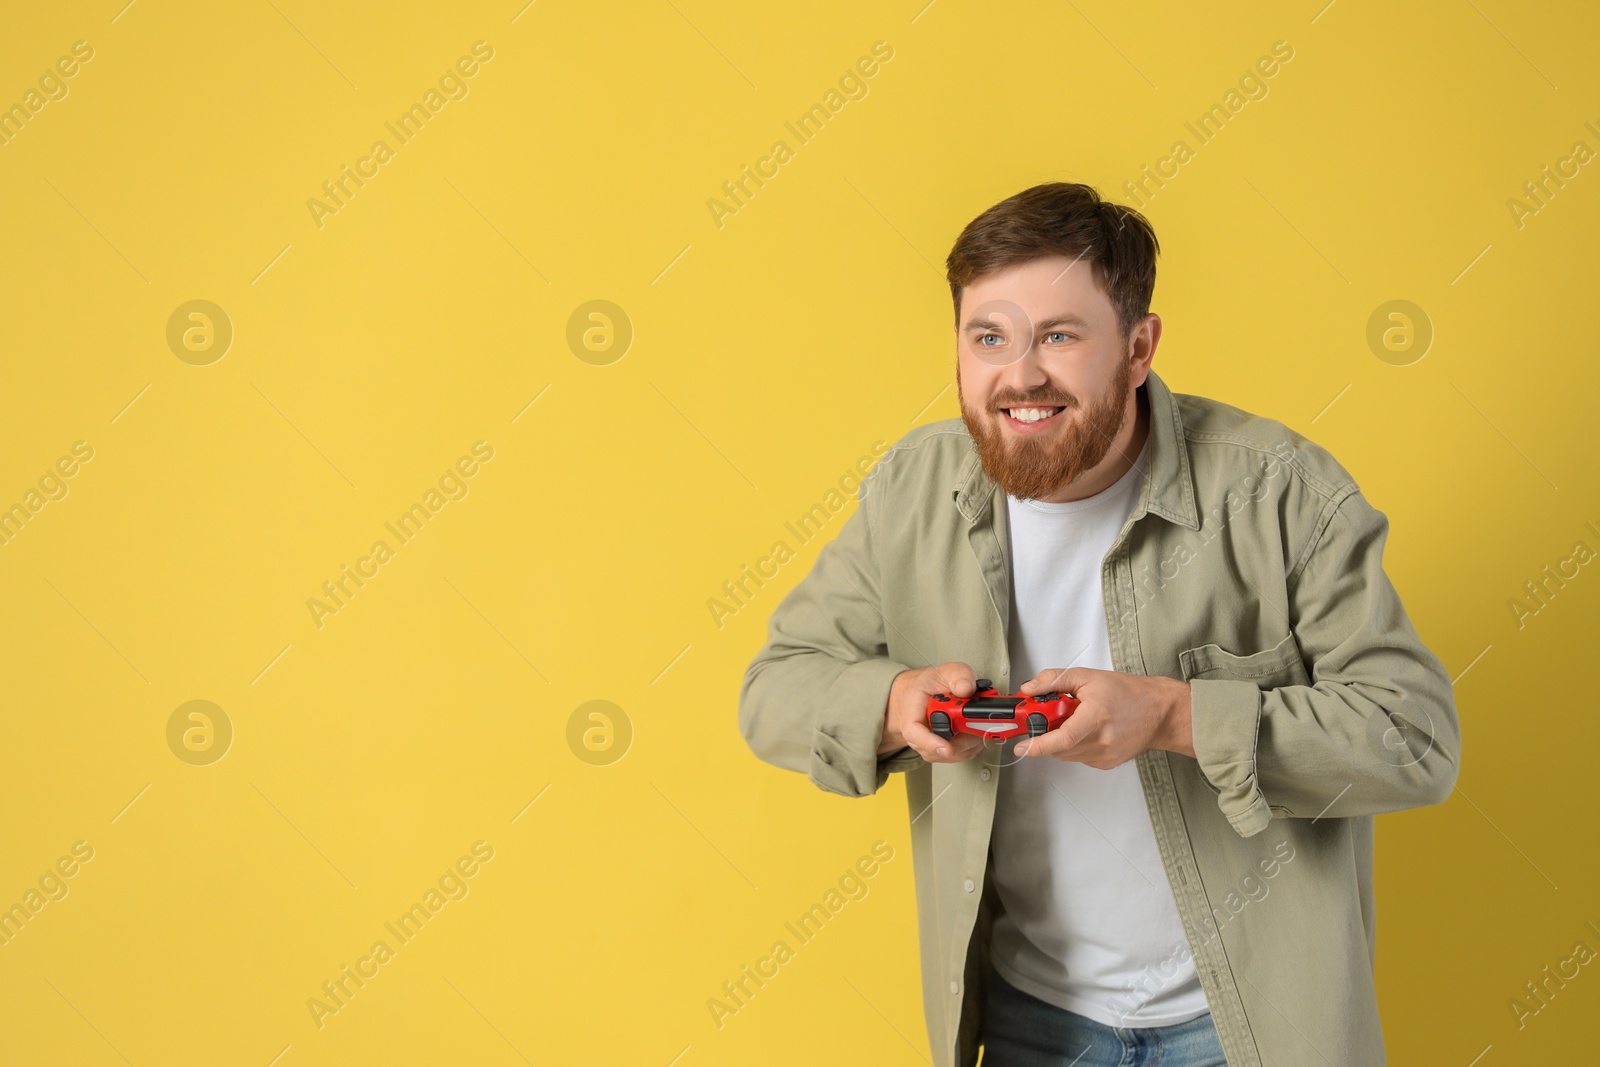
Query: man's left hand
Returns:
{"type": "Point", "coordinates": [1119, 716]}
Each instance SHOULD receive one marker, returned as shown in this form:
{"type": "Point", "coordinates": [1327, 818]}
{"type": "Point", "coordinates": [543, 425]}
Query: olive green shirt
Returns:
{"type": "Point", "coordinates": [1252, 566]}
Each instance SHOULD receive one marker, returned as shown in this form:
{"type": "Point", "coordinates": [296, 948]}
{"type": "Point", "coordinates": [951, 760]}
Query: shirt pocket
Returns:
{"type": "Point", "coordinates": [1270, 668]}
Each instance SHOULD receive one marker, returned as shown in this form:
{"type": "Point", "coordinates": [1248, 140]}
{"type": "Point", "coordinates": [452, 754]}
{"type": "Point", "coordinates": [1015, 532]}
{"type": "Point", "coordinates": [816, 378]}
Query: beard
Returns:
{"type": "Point", "coordinates": [1034, 466]}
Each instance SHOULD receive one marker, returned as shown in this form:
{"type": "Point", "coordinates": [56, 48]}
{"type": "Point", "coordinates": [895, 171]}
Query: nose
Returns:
{"type": "Point", "coordinates": [1025, 374]}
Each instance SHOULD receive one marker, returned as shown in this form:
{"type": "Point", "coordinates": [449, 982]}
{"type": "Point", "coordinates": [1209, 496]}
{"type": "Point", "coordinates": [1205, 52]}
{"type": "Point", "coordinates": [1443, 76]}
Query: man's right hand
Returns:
{"type": "Point", "coordinates": [906, 718]}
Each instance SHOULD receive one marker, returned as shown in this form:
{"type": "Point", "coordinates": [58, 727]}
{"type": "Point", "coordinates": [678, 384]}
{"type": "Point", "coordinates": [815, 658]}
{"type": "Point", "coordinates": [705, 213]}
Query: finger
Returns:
{"type": "Point", "coordinates": [1056, 679]}
{"type": "Point", "coordinates": [967, 746]}
{"type": "Point", "coordinates": [958, 679]}
{"type": "Point", "coordinates": [927, 743]}
{"type": "Point", "coordinates": [1055, 742]}
{"type": "Point", "coordinates": [937, 750]}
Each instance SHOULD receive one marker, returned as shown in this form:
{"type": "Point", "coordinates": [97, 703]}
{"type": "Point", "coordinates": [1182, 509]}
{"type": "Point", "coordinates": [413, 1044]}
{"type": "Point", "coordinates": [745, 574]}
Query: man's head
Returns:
{"type": "Point", "coordinates": [1052, 297]}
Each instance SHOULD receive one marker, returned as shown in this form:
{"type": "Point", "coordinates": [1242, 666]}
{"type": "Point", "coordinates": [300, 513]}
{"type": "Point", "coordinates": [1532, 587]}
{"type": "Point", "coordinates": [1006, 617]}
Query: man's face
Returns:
{"type": "Point", "coordinates": [1040, 340]}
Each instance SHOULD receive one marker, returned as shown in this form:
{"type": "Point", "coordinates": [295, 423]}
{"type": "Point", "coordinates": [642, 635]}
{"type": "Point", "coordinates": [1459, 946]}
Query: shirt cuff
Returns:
{"type": "Point", "coordinates": [901, 759]}
{"type": "Point", "coordinates": [849, 726]}
{"type": "Point", "coordinates": [1225, 718]}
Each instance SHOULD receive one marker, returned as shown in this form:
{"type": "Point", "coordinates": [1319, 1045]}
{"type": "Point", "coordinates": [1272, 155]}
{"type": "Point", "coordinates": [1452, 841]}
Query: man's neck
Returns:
{"type": "Point", "coordinates": [1119, 458]}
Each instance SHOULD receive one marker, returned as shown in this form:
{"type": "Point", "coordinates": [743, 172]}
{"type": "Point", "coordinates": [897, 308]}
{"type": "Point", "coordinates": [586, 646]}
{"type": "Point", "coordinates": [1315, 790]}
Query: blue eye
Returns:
{"type": "Point", "coordinates": [984, 337]}
{"type": "Point", "coordinates": [1057, 333]}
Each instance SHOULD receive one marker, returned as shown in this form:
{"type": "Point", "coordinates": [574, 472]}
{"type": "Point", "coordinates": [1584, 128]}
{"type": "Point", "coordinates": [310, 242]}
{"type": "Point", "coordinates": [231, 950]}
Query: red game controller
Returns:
{"type": "Point", "coordinates": [987, 713]}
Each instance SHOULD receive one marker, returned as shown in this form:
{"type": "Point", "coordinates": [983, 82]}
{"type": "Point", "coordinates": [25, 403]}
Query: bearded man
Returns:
{"type": "Point", "coordinates": [1181, 872]}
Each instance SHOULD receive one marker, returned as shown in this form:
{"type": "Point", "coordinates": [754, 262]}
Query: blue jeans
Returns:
{"type": "Point", "coordinates": [1023, 1031]}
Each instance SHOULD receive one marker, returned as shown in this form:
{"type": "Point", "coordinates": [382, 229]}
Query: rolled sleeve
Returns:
{"type": "Point", "coordinates": [1226, 749]}
{"type": "Point", "coordinates": [1374, 731]}
{"type": "Point", "coordinates": [849, 726]}
{"type": "Point", "coordinates": [815, 696]}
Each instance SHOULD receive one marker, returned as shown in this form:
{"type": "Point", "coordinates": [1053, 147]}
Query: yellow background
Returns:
{"type": "Point", "coordinates": [769, 354]}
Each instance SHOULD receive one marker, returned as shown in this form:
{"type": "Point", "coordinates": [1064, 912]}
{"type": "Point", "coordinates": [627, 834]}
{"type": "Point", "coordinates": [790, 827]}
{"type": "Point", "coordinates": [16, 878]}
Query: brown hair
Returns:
{"type": "Point", "coordinates": [1068, 219]}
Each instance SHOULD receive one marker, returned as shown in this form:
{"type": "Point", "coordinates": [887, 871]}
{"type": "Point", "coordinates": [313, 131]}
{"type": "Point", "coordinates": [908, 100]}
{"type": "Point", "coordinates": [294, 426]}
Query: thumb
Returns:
{"type": "Point", "coordinates": [952, 678]}
{"type": "Point", "coordinates": [1061, 739]}
{"type": "Point", "coordinates": [1062, 680]}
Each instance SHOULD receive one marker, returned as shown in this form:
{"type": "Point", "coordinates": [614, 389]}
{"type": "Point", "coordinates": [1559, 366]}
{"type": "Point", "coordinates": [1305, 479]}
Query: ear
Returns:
{"type": "Point", "coordinates": [1142, 342]}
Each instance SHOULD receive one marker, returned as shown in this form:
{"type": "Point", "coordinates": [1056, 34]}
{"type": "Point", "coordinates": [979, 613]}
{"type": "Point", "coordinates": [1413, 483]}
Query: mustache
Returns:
{"type": "Point", "coordinates": [1066, 403]}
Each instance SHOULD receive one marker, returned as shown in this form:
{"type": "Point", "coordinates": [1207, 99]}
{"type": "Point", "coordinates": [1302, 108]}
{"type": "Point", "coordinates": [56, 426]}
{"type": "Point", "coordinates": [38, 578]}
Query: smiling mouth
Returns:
{"type": "Point", "coordinates": [1031, 416]}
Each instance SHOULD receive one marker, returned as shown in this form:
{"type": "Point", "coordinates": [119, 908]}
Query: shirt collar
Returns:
{"type": "Point", "coordinates": [1168, 488]}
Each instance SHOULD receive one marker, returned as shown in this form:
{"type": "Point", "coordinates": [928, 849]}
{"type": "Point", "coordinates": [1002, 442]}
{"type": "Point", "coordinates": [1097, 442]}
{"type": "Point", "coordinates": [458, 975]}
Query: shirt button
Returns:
{"type": "Point", "coordinates": [967, 885]}
{"type": "Point", "coordinates": [984, 774]}
{"type": "Point", "coordinates": [955, 988]}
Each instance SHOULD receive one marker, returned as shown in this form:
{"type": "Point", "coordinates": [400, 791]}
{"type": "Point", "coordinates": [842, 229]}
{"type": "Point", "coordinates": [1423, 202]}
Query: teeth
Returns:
{"type": "Point", "coordinates": [1032, 414]}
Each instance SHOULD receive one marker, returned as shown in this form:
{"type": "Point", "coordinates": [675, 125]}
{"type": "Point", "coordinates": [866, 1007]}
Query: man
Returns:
{"type": "Point", "coordinates": [1182, 871]}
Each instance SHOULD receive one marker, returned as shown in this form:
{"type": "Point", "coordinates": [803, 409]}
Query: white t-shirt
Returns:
{"type": "Point", "coordinates": [1089, 923]}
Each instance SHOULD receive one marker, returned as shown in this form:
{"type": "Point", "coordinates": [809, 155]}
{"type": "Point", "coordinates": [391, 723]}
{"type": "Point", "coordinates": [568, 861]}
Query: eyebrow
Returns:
{"type": "Point", "coordinates": [1047, 324]}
